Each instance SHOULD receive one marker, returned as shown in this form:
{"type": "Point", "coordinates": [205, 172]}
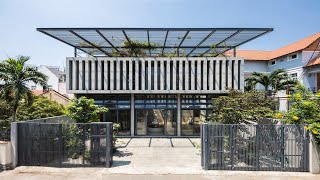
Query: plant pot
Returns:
{"type": "Point", "coordinates": [155, 129]}
{"type": "Point", "coordinates": [5, 155]}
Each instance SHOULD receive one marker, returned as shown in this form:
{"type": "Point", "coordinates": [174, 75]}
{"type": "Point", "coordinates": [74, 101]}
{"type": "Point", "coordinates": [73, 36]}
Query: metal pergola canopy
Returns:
{"type": "Point", "coordinates": [154, 42]}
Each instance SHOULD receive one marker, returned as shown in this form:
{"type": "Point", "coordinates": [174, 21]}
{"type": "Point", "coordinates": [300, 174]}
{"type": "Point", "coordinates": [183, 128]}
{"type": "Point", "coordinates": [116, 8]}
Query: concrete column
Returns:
{"type": "Point", "coordinates": [235, 75]}
{"type": "Point", "coordinates": [74, 75]}
{"type": "Point", "coordinates": [67, 75]}
{"type": "Point", "coordinates": [174, 75]}
{"type": "Point", "coordinates": [205, 74]}
{"type": "Point", "coordinates": [241, 75]}
{"type": "Point", "coordinates": [143, 74]}
{"type": "Point", "coordinates": [93, 75]}
{"type": "Point", "coordinates": [117, 79]}
{"type": "Point", "coordinates": [111, 75]}
{"type": "Point", "coordinates": [80, 75]}
{"type": "Point", "coordinates": [211, 81]}
{"type": "Point", "coordinates": [149, 74]}
{"type": "Point", "coordinates": [86, 78]}
{"type": "Point", "coordinates": [178, 115]}
{"type": "Point", "coordinates": [192, 75]}
{"type": "Point", "coordinates": [105, 75]}
{"type": "Point", "coordinates": [132, 124]}
{"type": "Point", "coordinates": [99, 74]}
{"type": "Point", "coordinates": [168, 75]}
{"type": "Point", "coordinates": [137, 75]}
{"type": "Point", "coordinates": [180, 75]}
{"type": "Point", "coordinates": [14, 144]}
{"type": "Point", "coordinates": [124, 74]}
{"type": "Point", "coordinates": [186, 75]}
{"type": "Point", "coordinates": [130, 74]}
{"type": "Point", "coordinates": [162, 75]}
{"type": "Point", "coordinates": [198, 74]}
{"type": "Point", "coordinates": [223, 75]}
{"type": "Point", "coordinates": [155, 75]}
{"type": "Point", "coordinates": [230, 73]}
{"type": "Point", "coordinates": [217, 75]}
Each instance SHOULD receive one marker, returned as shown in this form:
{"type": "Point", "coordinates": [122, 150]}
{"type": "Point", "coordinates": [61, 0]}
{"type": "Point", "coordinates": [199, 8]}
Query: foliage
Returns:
{"type": "Point", "coordinates": [72, 137]}
{"type": "Point", "coordinates": [83, 110]}
{"type": "Point", "coordinates": [15, 75]}
{"type": "Point", "coordinates": [41, 107]}
{"type": "Point", "coordinates": [134, 48]}
{"type": "Point", "coordinates": [277, 80]}
{"type": "Point", "coordinates": [238, 107]}
{"type": "Point", "coordinates": [305, 109]}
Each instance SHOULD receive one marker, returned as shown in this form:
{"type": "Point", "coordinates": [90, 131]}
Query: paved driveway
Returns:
{"type": "Point", "coordinates": [157, 155]}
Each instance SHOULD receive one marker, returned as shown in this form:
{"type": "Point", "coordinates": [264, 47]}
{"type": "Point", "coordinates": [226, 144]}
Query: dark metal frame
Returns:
{"type": "Point", "coordinates": [197, 45]}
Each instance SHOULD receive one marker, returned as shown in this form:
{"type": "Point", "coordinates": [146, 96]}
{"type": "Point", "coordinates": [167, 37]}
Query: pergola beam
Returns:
{"type": "Point", "coordinates": [100, 49]}
{"type": "Point", "coordinates": [184, 37]}
{"type": "Point", "coordinates": [107, 40]}
{"type": "Point", "coordinates": [127, 38]}
{"type": "Point", "coordinates": [202, 41]}
{"type": "Point", "coordinates": [165, 41]}
{"type": "Point", "coordinates": [226, 39]}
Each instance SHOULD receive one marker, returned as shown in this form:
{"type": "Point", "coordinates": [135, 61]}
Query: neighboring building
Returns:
{"type": "Point", "coordinates": [56, 79]}
{"type": "Point", "coordinates": [146, 91]}
{"type": "Point", "coordinates": [53, 95]}
{"type": "Point", "coordinates": [301, 60]}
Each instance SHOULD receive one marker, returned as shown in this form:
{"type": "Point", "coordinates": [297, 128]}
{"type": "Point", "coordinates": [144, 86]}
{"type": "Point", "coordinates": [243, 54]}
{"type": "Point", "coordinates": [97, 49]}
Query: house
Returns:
{"type": "Point", "coordinates": [56, 79]}
{"type": "Point", "coordinates": [300, 59]}
{"type": "Point", "coordinates": [154, 81]}
{"type": "Point", "coordinates": [53, 95]}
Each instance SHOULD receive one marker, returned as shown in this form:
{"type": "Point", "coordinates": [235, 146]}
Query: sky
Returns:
{"type": "Point", "coordinates": [292, 20]}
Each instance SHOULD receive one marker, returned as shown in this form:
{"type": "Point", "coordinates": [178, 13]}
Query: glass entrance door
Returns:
{"type": "Point", "coordinates": [156, 122]}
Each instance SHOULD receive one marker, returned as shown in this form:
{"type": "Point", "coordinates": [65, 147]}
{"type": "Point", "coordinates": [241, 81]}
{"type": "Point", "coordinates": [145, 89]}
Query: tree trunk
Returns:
{"type": "Point", "coordinates": [14, 112]}
{"type": "Point", "coordinates": [266, 91]}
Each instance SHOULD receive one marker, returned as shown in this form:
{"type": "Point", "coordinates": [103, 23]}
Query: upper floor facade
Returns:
{"type": "Point", "coordinates": [128, 75]}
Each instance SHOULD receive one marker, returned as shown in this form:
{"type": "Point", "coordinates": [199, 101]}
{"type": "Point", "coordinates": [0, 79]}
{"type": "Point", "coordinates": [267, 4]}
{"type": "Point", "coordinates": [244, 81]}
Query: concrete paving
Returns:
{"type": "Point", "coordinates": [151, 158]}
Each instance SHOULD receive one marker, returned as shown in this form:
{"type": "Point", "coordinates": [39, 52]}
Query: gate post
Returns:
{"type": "Point", "coordinates": [109, 144]}
{"type": "Point", "coordinates": [14, 144]}
{"type": "Point", "coordinates": [205, 146]}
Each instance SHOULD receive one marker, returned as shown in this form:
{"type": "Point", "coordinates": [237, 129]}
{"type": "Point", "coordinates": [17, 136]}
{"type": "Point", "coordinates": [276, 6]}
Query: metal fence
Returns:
{"type": "Point", "coordinates": [254, 147]}
{"type": "Point", "coordinates": [65, 144]}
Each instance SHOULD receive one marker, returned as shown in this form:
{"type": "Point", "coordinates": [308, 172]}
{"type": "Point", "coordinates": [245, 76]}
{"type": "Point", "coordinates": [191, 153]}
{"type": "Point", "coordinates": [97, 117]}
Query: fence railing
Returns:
{"type": "Point", "coordinates": [65, 144]}
{"type": "Point", "coordinates": [254, 147]}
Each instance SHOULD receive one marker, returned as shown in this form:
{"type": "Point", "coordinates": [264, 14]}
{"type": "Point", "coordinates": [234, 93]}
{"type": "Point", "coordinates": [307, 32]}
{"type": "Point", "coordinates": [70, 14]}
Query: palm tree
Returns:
{"type": "Point", "coordinates": [15, 75]}
{"type": "Point", "coordinates": [277, 80]}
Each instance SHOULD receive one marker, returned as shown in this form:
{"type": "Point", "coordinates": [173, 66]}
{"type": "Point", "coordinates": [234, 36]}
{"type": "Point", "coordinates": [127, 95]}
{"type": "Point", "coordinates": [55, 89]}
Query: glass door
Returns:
{"type": "Point", "coordinates": [141, 122]}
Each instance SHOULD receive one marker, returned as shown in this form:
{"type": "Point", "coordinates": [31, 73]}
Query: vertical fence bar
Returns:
{"type": "Point", "coordinates": [205, 146]}
{"type": "Point", "coordinates": [231, 142]}
{"type": "Point", "coordinates": [282, 147]}
{"type": "Point", "coordinates": [60, 145]}
{"type": "Point", "coordinates": [83, 143]}
{"type": "Point", "coordinates": [257, 146]}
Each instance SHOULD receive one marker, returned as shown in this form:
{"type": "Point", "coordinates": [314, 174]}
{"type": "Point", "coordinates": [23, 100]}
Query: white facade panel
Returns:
{"type": "Point", "coordinates": [209, 73]}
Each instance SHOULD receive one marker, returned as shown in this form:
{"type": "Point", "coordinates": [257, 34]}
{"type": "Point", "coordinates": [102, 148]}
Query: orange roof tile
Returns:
{"type": "Point", "coordinates": [37, 92]}
{"type": "Point", "coordinates": [253, 54]}
{"type": "Point", "coordinates": [296, 46]}
{"type": "Point", "coordinates": [314, 61]}
{"type": "Point", "coordinates": [268, 55]}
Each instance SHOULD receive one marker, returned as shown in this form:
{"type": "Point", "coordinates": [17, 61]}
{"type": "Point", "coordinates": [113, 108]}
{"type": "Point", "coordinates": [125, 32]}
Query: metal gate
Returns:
{"type": "Point", "coordinates": [64, 145]}
{"type": "Point", "coordinates": [254, 147]}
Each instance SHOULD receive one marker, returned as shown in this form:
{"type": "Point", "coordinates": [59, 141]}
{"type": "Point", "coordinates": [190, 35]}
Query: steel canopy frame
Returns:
{"type": "Point", "coordinates": [200, 41]}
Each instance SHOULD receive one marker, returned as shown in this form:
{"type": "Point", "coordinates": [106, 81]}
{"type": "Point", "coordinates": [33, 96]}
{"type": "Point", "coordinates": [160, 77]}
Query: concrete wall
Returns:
{"type": "Point", "coordinates": [140, 75]}
{"type": "Point", "coordinates": [255, 66]}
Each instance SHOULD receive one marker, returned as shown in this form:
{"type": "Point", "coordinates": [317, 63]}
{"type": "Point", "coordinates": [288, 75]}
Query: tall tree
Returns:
{"type": "Point", "coordinates": [276, 80]}
{"type": "Point", "coordinates": [15, 76]}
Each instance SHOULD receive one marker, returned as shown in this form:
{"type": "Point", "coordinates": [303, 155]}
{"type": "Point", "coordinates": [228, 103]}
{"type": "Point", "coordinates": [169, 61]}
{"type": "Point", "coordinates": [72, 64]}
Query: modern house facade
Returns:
{"type": "Point", "coordinates": [154, 81]}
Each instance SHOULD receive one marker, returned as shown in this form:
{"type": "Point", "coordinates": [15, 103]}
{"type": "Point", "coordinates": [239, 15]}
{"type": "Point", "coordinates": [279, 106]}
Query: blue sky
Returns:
{"type": "Point", "coordinates": [291, 19]}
